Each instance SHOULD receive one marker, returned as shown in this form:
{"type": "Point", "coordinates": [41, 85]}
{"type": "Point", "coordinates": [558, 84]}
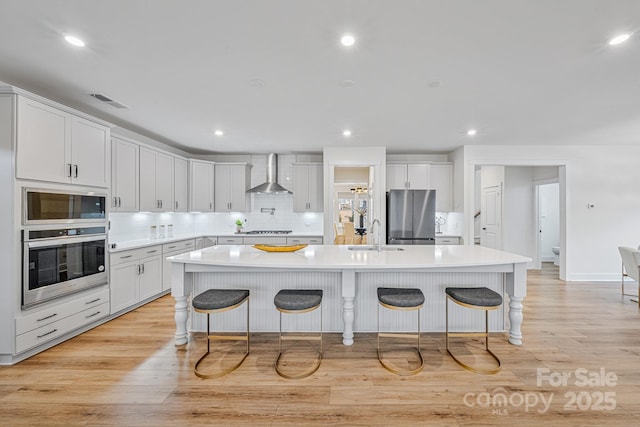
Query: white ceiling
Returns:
{"type": "Point", "coordinates": [521, 72]}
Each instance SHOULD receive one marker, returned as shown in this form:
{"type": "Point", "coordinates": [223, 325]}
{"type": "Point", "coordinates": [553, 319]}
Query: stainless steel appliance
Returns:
{"type": "Point", "coordinates": [62, 207]}
{"type": "Point", "coordinates": [61, 261]}
{"type": "Point", "coordinates": [411, 217]}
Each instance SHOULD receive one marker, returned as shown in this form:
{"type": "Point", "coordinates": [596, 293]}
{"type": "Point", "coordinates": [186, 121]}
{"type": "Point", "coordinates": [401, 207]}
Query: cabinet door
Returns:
{"type": "Point", "coordinates": [440, 179]}
{"type": "Point", "coordinates": [396, 176]}
{"type": "Point", "coordinates": [200, 186]}
{"type": "Point", "coordinates": [164, 181]}
{"type": "Point", "coordinates": [180, 175]}
{"type": "Point", "coordinates": [43, 137]}
{"type": "Point", "coordinates": [124, 176]}
{"type": "Point", "coordinates": [300, 188]}
{"type": "Point", "coordinates": [148, 165]}
{"type": "Point", "coordinates": [123, 282]}
{"type": "Point", "coordinates": [239, 179]}
{"type": "Point", "coordinates": [221, 194]}
{"type": "Point", "coordinates": [418, 176]}
{"type": "Point", "coordinates": [89, 153]}
{"type": "Point", "coordinates": [150, 277]}
{"type": "Point", "coordinates": [316, 186]}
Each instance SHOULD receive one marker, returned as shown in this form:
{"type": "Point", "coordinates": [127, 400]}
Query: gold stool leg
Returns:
{"type": "Point", "coordinates": [210, 338]}
{"type": "Point", "coordinates": [401, 372]}
{"type": "Point", "coordinates": [484, 334]}
{"type": "Point", "coordinates": [316, 362]}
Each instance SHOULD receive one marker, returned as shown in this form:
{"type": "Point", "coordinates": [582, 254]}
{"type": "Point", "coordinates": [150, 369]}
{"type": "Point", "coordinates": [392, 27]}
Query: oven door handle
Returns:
{"type": "Point", "coordinates": [57, 241]}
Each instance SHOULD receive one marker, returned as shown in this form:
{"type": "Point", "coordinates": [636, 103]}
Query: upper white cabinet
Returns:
{"type": "Point", "coordinates": [200, 186]}
{"type": "Point", "coordinates": [156, 181]}
{"type": "Point", "coordinates": [180, 186]}
{"type": "Point", "coordinates": [423, 176]}
{"type": "Point", "coordinates": [57, 146]}
{"type": "Point", "coordinates": [231, 184]}
{"type": "Point", "coordinates": [308, 194]}
{"type": "Point", "coordinates": [124, 176]}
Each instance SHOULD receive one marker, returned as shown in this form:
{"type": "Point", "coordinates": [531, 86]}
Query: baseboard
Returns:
{"type": "Point", "coordinates": [594, 277]}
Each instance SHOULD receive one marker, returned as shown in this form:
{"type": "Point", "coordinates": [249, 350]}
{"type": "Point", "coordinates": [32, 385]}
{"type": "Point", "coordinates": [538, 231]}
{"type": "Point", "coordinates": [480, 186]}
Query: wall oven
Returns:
{"type": "Point", "coordinates": [61, 261]}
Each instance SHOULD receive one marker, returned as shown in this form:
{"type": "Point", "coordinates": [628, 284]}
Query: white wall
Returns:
{"type": "Point", "coordinates": [518, 221]}
{"type": "Point", "coordinates": [549, 222]}
{"type": "Point", "coordinates": [605, 176]}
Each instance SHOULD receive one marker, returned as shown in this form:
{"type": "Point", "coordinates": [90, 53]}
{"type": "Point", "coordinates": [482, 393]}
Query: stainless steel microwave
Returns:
{"type": "Point", "coordinates": [62, 207]}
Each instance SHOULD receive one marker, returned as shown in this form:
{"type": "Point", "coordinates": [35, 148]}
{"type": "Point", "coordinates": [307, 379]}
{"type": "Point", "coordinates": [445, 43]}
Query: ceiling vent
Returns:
{"type": "Point", "coordinates": [107, 100]}
{"type": "Point", "coordinates": [271, 186]}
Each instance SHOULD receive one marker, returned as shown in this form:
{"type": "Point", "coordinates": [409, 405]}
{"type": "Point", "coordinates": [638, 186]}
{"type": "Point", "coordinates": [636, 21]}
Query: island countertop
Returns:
{"type": "Point", "coordinates": [342, 257]}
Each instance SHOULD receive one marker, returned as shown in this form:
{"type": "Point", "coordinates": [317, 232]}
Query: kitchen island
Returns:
{"type": "Point", "coordinates": [349, 276]}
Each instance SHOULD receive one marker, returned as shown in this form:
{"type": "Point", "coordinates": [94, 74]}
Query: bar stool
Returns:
{"type": "Point", "coordinates": [217, 301]}
{"type": "Point", "coordinates": [479, 299]}
{"type": "Point", "coordinates": [405, 300]}
{"type": "Point", "coordinates": [298, 301]}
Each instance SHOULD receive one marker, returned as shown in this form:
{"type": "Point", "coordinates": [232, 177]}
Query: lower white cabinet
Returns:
{"type": "Point", "coordinates": [226, 240]}
{"type": "Point", "coordinates": [136, 275]}
{"type": "Point", "coordinates": [170, 249]}
{"type": "Point", "coordinates": [205, 242]}
{"type": "Point", "coordinates": [304, 240]}
{"type": "Point", "coordinates": [40, 326]}
{"type": "Point", "coordinates": [264, 240]}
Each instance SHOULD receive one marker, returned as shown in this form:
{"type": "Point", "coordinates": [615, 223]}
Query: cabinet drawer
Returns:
{"type": "Point", "coordinates": [447, 240]}
{"type": "Point", "coordinates": [230, 240]}
{"type": "Point", "coordinates": [55, 329]}
{"type": "Point", "coordinates": [134, 254]}
{"type": "Point", "coordinates": [181, 246]}
{"type": "Point", "coordinates": [52, 314]}
{"type": "Point", "coordinates": [266, 240]}
{"type": "Point", "coordinates": [304, 240]}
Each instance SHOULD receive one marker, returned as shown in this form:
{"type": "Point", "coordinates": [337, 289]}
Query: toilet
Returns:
{"type": "Point", "coordinates": [556, 255]}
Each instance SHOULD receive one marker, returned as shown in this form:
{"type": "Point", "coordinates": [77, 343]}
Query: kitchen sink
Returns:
{"type": "Point", "coordinates": [373, 248]}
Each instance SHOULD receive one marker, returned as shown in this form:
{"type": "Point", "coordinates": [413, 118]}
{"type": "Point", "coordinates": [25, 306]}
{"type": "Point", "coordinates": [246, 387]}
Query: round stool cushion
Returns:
{"type": "Point", "coordinates": [297, 299]}
{"type": "Point", "coordinates": [401, 297]}
{"type": "Point", "coordinates": [214, 299]}
{"type": "Point", "coordinates": [481, 297]}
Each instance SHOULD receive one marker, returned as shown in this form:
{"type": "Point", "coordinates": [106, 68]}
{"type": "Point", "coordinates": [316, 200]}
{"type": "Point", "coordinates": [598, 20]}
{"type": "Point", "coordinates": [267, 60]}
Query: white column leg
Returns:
{"type": "Point", "coordinates": [515, 319]}
{"type": "Point", "coordinates": [181, 320]}
{"type": "Point", "coordinates": [348, 295]}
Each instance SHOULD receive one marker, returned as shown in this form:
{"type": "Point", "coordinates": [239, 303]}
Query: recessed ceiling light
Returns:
{"type": "Point", "coordinates": [74, 41]}
{"type": "Point", "coordinates": [218, 132]}
{"type": "Point", "coordinates": [346, 132]}
{"type": "Point", "coordinates": [472, 132]}
{"type": "Point", "coordinates": [620, 38]}
{"type": "Point", "coordinates": [347, 40]}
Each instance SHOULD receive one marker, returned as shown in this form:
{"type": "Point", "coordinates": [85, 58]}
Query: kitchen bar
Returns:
{"type": "Point", "coordinates": [349, 276]}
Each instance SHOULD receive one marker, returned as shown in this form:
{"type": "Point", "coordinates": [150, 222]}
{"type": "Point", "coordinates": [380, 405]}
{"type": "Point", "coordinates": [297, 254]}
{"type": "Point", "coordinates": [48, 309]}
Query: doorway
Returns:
{"type": "Point", "coordinates": [548, 225]}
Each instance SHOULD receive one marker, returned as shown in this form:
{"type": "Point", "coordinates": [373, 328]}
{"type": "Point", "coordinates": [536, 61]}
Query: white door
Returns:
{"type": "Point", "coordinates": [418, 176]}
{"type": "Point", "coordinates": [148, 165]}
{"type": "Point", "coordinates": [491, 218]}
{"type": "Point", "coordinates": [180, 174]}
{"type": "Point", "coordinates": [89, 151]}
{"type": "Point", "coordinates": [164, 181]}
{"type": "Point", "coordinates": [124, 176]}
{"type": "Point", "coordinates": [396, 176]}
{"type": "Point", "coordinates": [201, 186]}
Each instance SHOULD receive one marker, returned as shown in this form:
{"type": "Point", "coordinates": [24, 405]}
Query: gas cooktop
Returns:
{"type": "Point", "coordinates": [269, 232]}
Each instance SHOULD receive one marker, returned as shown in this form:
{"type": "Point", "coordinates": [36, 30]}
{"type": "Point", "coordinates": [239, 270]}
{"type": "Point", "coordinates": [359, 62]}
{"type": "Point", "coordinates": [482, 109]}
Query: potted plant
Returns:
{"type": "Point", "coordinates": [239, 225]}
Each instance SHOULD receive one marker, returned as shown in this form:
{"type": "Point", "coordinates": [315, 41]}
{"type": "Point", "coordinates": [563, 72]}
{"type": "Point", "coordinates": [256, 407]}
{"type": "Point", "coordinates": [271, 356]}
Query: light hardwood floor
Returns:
{"type": "Point", "coordinates": [129, 373]}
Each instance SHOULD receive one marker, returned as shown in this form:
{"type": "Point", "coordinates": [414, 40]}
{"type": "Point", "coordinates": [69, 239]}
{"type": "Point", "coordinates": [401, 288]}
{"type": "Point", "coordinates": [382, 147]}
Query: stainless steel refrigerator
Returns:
{"type": "Point", "coordinates": [411, 217]}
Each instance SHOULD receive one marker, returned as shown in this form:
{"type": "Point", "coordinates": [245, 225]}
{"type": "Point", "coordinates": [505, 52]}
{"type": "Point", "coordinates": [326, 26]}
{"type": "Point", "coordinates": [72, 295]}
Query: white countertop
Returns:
{"type": "Point", "coordinates": [340, 257]}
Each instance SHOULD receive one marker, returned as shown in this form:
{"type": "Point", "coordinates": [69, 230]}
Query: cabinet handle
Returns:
{"type": "Point", "coordinates": [152, 252]}
{"type": "Point", "coordinates": [171, 247]}
{"type": "Point", "coordinates": [210, 205]}
{"type": "Point", "coordinates": [176, 205]}
{"type": "Point", "coordinates": [48, 333]}
{"type": "Point", "coordinates": [92, 315]}
{"type": "Point", "coordinates": [138, 269]}
{"type": "Point", "coordinates": [126, 256]}
{"type": "Point", "coordinates": [70, 166]}
{"type": "Point", "coordinates": [161, 204]}
{"type": "Point", "coordinates": [93, 300]}
{"type": "Point", "coordinates": [142, 269]}
{"type": "Point", "coordinates": [76, 168]}
{"type": "Point", "coordinates": [115, 202]}
{"type": "Point", "coordinates": [48, 317]}
{"type": "Point", "coordinates": [119, 202]}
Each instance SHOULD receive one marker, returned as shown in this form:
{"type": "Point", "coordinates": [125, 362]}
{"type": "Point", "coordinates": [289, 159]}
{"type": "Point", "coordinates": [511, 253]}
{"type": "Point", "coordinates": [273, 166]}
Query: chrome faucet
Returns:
{"type": "Point", "coordinates": [373, 223]}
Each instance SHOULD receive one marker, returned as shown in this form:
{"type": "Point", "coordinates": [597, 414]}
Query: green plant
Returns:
{"type": "Point", "coordinates": [239, 222]}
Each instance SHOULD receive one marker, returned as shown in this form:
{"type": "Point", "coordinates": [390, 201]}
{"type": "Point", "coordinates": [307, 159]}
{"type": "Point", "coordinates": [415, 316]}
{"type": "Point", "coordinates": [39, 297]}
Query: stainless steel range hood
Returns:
{"type": "Point", "coordinates": [271, 186]}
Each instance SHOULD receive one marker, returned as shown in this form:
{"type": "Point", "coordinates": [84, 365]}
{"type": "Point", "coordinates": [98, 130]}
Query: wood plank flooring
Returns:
{"type": "Point", "coordinates": [129, 373]}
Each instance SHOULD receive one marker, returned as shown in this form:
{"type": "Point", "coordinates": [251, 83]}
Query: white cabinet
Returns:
{"type": "Point", "coordinates": [56, 146]}
{"type": "Point", "coordinates": [156, 181]}
{"type": "Point", "coordinates": [304, 240]}
{"type": "Point", "coordinates": [226, 240]}
{"type": "Point", "coordinates": [423, 176]}
{"type": "Point", "coordinates": [200, 186]}
{"type": "Point", "coordinates": [170, 249]}
{"type": "Point", "coordinates": [38, 326]}
{"type": "Point", "coordinates": [264, 240]}
{"type": "Point", "coordinates": [180, 186]}
{"type": "Point", "coordinates": [447, 240]}
{"type": "Point", "coordinates": [205, 242]}
{"type": "Point", "coordinates": [413, 176]}
{"type": "Point", "coordinates": [231, 184]}
{"type": "Point", "coordinates": [124, 176]}
{"type": "Point", "coordinates": [308, 194]}
{"type": "Point", "coordinates": [135, 275]}
{"type": "Point", "coordinates": [440, 180]}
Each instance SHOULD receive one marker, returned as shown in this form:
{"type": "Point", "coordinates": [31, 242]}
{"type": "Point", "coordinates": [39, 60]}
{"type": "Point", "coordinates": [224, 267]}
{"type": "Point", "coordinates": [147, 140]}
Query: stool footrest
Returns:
{"type": "Point", "coordinates": [220, 373]}
{"type": "Point", "coordinates": [312, 369]}
{"type": "Point", "coordinates": [228, 338]}
{"type": "Point", "coordinates": [402, 372]}
{"type": "Point", "coordinates": [397, 335]}
{"type": "Point", "coordinates": [467, 334]}
{"type": "Point", "coordinates": [300, 338]}
{"type": "Point", "coordinates": [478, 370]}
